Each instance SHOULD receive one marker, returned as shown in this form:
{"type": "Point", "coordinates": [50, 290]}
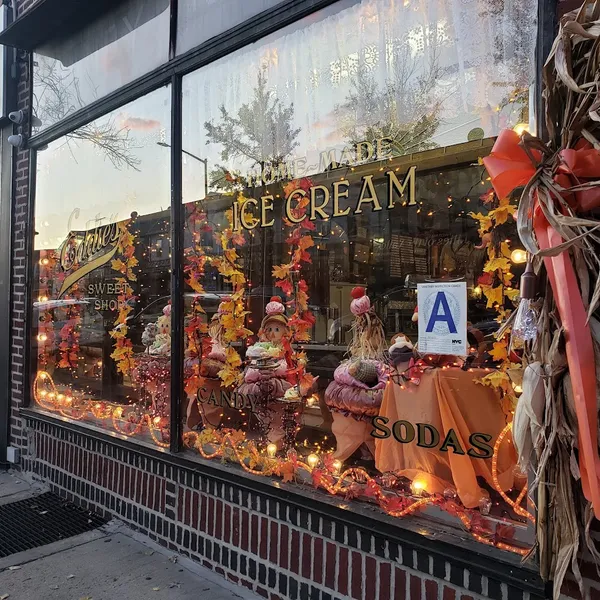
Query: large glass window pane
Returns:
{"type": "Point", "coordinates": [329, 170]}
{"type": "Point", "coordinates": [121, 46]}
{"type": "Point", "coordinates": [200, 20]}
{"type": "Point", "coordinates": [101, 285]}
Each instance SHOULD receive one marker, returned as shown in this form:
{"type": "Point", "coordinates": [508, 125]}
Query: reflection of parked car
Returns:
{"type": "Point", "coordinates": [487, 328]}
{"type": "Point", "coordinates": [209, 301]}
{"type": "Point", "coordinates": [92, 329]}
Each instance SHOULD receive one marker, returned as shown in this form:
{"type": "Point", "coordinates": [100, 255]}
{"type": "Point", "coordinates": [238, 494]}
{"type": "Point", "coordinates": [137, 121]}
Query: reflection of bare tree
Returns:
{"type": "Point", "coordinates": [261, 131]}
{"type": "Point", "coordinates": [405, 109]}
{"type": "Point", "coordinates": [57, 95]}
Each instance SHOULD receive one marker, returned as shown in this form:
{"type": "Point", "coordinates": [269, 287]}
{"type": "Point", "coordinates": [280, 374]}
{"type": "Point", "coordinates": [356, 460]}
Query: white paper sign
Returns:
{"type": "Point", "coordinates": [442, 309]}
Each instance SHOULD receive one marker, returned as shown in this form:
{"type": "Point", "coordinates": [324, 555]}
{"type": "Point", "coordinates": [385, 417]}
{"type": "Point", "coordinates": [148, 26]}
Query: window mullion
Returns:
{"type": "Point", "coordinates": [177, 299]}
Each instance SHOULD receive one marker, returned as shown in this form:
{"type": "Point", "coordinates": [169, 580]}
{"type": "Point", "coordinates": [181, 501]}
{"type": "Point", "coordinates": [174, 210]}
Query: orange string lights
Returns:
{"type": "Point", "coordinates": [47, 396]}
{"type": "Point", "coordinates": [516, 505]}
{"type": "Point", "coordinates": [234, 446]}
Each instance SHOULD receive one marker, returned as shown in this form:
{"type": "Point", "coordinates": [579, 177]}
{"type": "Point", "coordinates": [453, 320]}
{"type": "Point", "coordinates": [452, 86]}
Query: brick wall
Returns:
{"type": "Point", "coordinates": [19, 257]}
{"type": "Point", "coordinates": [275, 546]}
{"type": "Point", "coordinates": [24, 5]}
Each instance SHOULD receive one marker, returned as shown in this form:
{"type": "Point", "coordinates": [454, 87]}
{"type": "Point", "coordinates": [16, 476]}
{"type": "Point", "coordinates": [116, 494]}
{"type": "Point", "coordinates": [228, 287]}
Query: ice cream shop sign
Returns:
{"type": "Point", "coordinates": [324, 202]}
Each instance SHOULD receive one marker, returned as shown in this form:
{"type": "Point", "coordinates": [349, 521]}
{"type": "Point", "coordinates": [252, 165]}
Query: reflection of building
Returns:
{"type": "Point", "coordinates": [296, 93]}
{"type": "Point", "coordinates": [389, 250]}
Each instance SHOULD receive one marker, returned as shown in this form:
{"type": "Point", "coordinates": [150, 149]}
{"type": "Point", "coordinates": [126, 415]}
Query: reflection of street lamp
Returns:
{"type": "Point", "coordinates": [204, 161]}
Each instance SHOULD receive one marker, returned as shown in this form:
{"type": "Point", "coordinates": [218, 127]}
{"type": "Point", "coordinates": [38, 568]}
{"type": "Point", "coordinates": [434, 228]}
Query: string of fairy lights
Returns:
{"type": "Point", "coordinates": [325, 472]}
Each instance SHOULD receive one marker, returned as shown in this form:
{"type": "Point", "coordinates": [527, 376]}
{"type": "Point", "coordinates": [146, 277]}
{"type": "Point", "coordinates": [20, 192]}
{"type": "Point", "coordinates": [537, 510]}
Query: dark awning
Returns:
{"type": "Point", "coordinates": [54, 19]}
{"type": "Point", "coordinates": [123, 20]}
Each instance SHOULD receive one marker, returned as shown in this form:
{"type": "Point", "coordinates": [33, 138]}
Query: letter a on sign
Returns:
{"type": "Point", "coordinates": [443, 318]}
{"type": "Point", "coordinates": [441, 314]}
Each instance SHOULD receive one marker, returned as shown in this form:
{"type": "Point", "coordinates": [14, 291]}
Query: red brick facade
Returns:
{"type": "Point", "coordinates": [277, 547]}
{"type": "Point", "coordinates": [19, 254]}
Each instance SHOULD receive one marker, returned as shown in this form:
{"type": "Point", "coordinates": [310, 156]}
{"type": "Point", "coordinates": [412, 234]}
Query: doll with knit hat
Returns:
{"type": "Point", "coordinates": [355, 394]}
{"type": "Point", "coordinates": [273, 335]}
{"type": "Point", "coordinates": [204, 407]}
{"type": "Point", "coordinates": [405, 361]}
{"type": "Point", "coordinates": [266, 376]}
{"type": "Point", "coordinates": [160, 341]}
{"type": "Point", "coordinates": [401, 352]}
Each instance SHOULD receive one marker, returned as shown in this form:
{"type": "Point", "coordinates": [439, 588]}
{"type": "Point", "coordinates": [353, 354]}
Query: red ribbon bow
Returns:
{"type": "Point", "coordinates": [509, 167]}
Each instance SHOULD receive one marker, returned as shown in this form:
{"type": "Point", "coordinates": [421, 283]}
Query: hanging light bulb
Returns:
{"type": "Point", "coordinates": [521, 128]}
{"type": "Point", "coordinates": [271, 450]}
{"type": "Point", "coordinates": [525, 327]}
{"type": "Point", "coordinates": [518, 256]}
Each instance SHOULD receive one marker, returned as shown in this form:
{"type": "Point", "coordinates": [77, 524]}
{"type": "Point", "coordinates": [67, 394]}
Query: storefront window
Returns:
{"type": "Point", "coordinates": [101, 284]}
{"type": "Point", "coordinates": [70, 73]}
{"type": "Point", "coordinates": [200, 20]}
{"type": "Point", "coordinates": [331, 177]}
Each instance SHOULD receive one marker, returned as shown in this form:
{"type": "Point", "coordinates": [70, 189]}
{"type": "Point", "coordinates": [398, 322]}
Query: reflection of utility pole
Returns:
{"type": "Point", "coordinates": [204, 161]}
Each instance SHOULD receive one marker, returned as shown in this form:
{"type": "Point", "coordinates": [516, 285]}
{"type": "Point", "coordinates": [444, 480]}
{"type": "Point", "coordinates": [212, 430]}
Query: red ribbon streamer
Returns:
{"type": "Point", "coordinates": [509, 167]}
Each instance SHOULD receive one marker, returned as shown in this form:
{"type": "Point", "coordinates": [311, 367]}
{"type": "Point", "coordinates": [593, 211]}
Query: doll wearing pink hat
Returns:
{"type": "Point", "coordinates": [271, 346]}
{"type": "Point", "coordinates": [355, 394]}
{"type": "Point", "coordinates": [265, 378]}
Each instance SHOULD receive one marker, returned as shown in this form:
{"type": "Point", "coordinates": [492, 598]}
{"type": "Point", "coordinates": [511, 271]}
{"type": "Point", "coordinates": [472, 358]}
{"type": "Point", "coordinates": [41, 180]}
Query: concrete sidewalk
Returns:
{"type": "Point", "coordinates": [13, 488]}
{"type": "Point", "coordinates": [109, 563]}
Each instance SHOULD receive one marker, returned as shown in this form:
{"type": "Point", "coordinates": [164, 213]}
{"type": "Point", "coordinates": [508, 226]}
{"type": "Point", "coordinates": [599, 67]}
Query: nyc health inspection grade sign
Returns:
{"type": "Point", "coordinates": [442, 310]}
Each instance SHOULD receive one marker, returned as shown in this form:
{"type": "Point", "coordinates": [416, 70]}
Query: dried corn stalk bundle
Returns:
{"type": "Point", "coordinates": [559, 223]}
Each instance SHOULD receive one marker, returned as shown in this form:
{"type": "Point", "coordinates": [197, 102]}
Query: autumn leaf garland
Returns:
{"type": "Point", "coordinates": [195, 258]}
{"type": "Point", "coordinates": [288, 278]}
{"type": "Point", "coordinates": [126, 261]}
{"type": "Point", "coordinates": [196, 326]}
{"type": "Point", "coordinates": [70, 332]}
{"type": "Point", "coordinates": [45, 337]}
{"type": "Point", "coordinates": [287, 275]}
{"type": "Point", "coordinates": [496, 284]}
{"type": "Point", "coordinates": [233, 309]}
{"type": "Point", "coordinates": [124, 264]}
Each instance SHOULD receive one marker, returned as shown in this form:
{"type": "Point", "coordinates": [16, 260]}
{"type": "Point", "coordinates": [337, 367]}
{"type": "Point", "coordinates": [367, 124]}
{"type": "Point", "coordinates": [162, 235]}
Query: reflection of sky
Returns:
{"type": "Point", "coordinates": [75, 175]}
{"type": "Point", "coordinates": [312, 64]}
{"type": "Point", "coordinates": [200, 20]}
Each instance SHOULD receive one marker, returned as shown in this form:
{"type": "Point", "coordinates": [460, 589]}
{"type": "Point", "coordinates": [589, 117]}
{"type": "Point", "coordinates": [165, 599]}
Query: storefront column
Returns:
{"type": "Point", "coordinates": [5, 264]}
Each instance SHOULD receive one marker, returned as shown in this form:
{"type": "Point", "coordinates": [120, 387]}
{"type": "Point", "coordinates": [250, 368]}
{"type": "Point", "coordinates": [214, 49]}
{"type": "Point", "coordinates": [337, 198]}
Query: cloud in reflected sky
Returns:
{"type": "Point", "coordinates": [138, 123]}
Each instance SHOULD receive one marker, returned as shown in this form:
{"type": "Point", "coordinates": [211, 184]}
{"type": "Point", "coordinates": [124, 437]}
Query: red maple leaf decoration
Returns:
{"type": "Point", "coordinates": [485, 279]}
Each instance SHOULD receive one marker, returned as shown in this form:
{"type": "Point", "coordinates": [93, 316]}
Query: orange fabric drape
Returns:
{"type": "Point", "coordinates": [350, 434]}
{"type": "Point", "coordinates": [447, 400]}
